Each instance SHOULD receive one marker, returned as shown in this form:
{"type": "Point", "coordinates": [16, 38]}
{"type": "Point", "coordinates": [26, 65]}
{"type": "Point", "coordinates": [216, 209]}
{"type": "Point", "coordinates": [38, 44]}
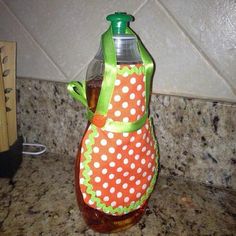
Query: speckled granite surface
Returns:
{"type": "Point", "coordinates": [197, 137]}
{"type": "Point", "coordinates": [41, 201]}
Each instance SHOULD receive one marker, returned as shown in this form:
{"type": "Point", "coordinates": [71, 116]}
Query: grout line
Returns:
{"type": "Point", "coordinates": [34, 40]}
{"type": "Point", "coordinates": [198, 48]}
{"type": "Point", "coordinates": [140, 7]}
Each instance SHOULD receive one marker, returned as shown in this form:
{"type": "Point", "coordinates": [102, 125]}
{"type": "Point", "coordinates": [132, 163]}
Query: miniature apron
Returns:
{"type": "Point", "coordinates": [119, 152]}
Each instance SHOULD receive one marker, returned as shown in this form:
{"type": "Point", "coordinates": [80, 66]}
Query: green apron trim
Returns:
{"type": "Point", "coordinates": [109, 74]}
{"type": "Point", "coordinates": [77, 91]}
{"type": "Point", "coordinates": [133, 70]}
{"type": "Point", "coordinates": [121, 127]}
{"type": "Point", "coordinates": [148, 64]}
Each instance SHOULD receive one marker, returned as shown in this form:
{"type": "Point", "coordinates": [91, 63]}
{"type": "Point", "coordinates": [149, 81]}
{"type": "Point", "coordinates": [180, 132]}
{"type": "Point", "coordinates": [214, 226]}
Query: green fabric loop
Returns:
{"type": "Point", "coordinates": [77, 91]}
{"type": "Point", "coordinates": [110, 70]}
{"type": "Point", "coordinates": [90, 115]}
{"type": "Point", "coordinates": [148, 64]}
{"type": "Point", "coordinates": [109, 75]}
{"type": "Point", "coordinates": [121, 127]}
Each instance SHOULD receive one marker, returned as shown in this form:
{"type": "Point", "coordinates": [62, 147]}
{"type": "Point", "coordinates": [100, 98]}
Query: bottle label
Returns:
{"type": "Point", "coordinates": [118, 170]}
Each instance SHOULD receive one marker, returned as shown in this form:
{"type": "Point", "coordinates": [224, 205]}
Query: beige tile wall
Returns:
{"type": "Point", "coordinates": [193, 42]}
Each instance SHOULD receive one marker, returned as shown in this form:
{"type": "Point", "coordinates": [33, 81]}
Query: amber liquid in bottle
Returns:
{"type": "Point", "coordinates": [97, 220]}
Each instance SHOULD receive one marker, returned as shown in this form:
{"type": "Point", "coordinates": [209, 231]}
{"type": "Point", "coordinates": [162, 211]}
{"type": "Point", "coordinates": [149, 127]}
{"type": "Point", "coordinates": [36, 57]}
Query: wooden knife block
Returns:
{"type": "Point", "coordinates": [10, 146]}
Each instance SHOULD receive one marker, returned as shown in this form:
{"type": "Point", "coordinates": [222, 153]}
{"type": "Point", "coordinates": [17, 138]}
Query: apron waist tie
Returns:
{"type": "Point", "coordinates": [118, 126]}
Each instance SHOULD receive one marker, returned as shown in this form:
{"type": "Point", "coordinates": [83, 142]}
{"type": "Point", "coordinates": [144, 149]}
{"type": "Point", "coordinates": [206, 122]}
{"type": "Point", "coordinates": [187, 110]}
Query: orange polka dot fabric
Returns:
{"type": "Point", "coordinates": [118, 170]}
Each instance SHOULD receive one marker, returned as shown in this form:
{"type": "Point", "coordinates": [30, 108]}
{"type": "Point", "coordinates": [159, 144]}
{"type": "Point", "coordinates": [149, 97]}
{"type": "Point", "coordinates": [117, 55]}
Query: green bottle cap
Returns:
{"type": "Point", "coordinates": [119, 22]}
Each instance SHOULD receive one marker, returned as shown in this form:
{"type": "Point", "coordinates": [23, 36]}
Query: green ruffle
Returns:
{"type": "Point", "coordinates": [126, 70]}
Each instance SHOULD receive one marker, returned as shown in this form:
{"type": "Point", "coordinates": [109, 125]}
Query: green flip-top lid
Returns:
{"type": "Point", "coordinates": [119, 22]}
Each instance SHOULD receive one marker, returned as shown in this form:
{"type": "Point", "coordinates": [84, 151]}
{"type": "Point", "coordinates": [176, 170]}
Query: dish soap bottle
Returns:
{"type": "Point", "coordinates": [117, 164]}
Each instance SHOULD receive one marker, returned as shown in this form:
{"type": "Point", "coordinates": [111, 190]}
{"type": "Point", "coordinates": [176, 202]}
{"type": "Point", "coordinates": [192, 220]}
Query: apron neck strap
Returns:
{"type": "Point", "coordinates": [110, 71]}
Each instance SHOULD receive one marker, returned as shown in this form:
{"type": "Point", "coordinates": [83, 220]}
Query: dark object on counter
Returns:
{"type": "Point", "coordinates": [11, 159]}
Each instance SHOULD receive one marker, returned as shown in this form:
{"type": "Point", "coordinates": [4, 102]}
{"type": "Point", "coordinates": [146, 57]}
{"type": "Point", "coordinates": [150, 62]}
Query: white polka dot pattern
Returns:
{"type": "Point", "coordinates": [128, 97]}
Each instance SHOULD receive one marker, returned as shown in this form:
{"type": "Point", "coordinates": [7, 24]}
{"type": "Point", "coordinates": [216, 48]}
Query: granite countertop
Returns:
{"type": "Point", "coordinates": [41, 201]}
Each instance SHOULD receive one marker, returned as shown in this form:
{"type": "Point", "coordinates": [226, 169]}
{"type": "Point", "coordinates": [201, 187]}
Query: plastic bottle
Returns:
{"type": "Point", "coordinates": [127, 54]}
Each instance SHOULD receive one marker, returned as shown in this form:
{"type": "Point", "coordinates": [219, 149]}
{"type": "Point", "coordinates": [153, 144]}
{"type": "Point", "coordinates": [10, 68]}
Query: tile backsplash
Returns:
{"type": "Point", "coordinates": [197, 137]}
{"type": "Point", "coordinates": [192, 42]}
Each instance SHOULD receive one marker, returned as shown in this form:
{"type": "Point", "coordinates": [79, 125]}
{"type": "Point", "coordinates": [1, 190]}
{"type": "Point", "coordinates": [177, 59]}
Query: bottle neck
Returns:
{"type": "Point", "coordinates": [126, 50]}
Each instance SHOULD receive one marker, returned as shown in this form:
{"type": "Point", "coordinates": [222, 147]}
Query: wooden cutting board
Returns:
{"type": "Point", "coordinates": [8, 62]}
